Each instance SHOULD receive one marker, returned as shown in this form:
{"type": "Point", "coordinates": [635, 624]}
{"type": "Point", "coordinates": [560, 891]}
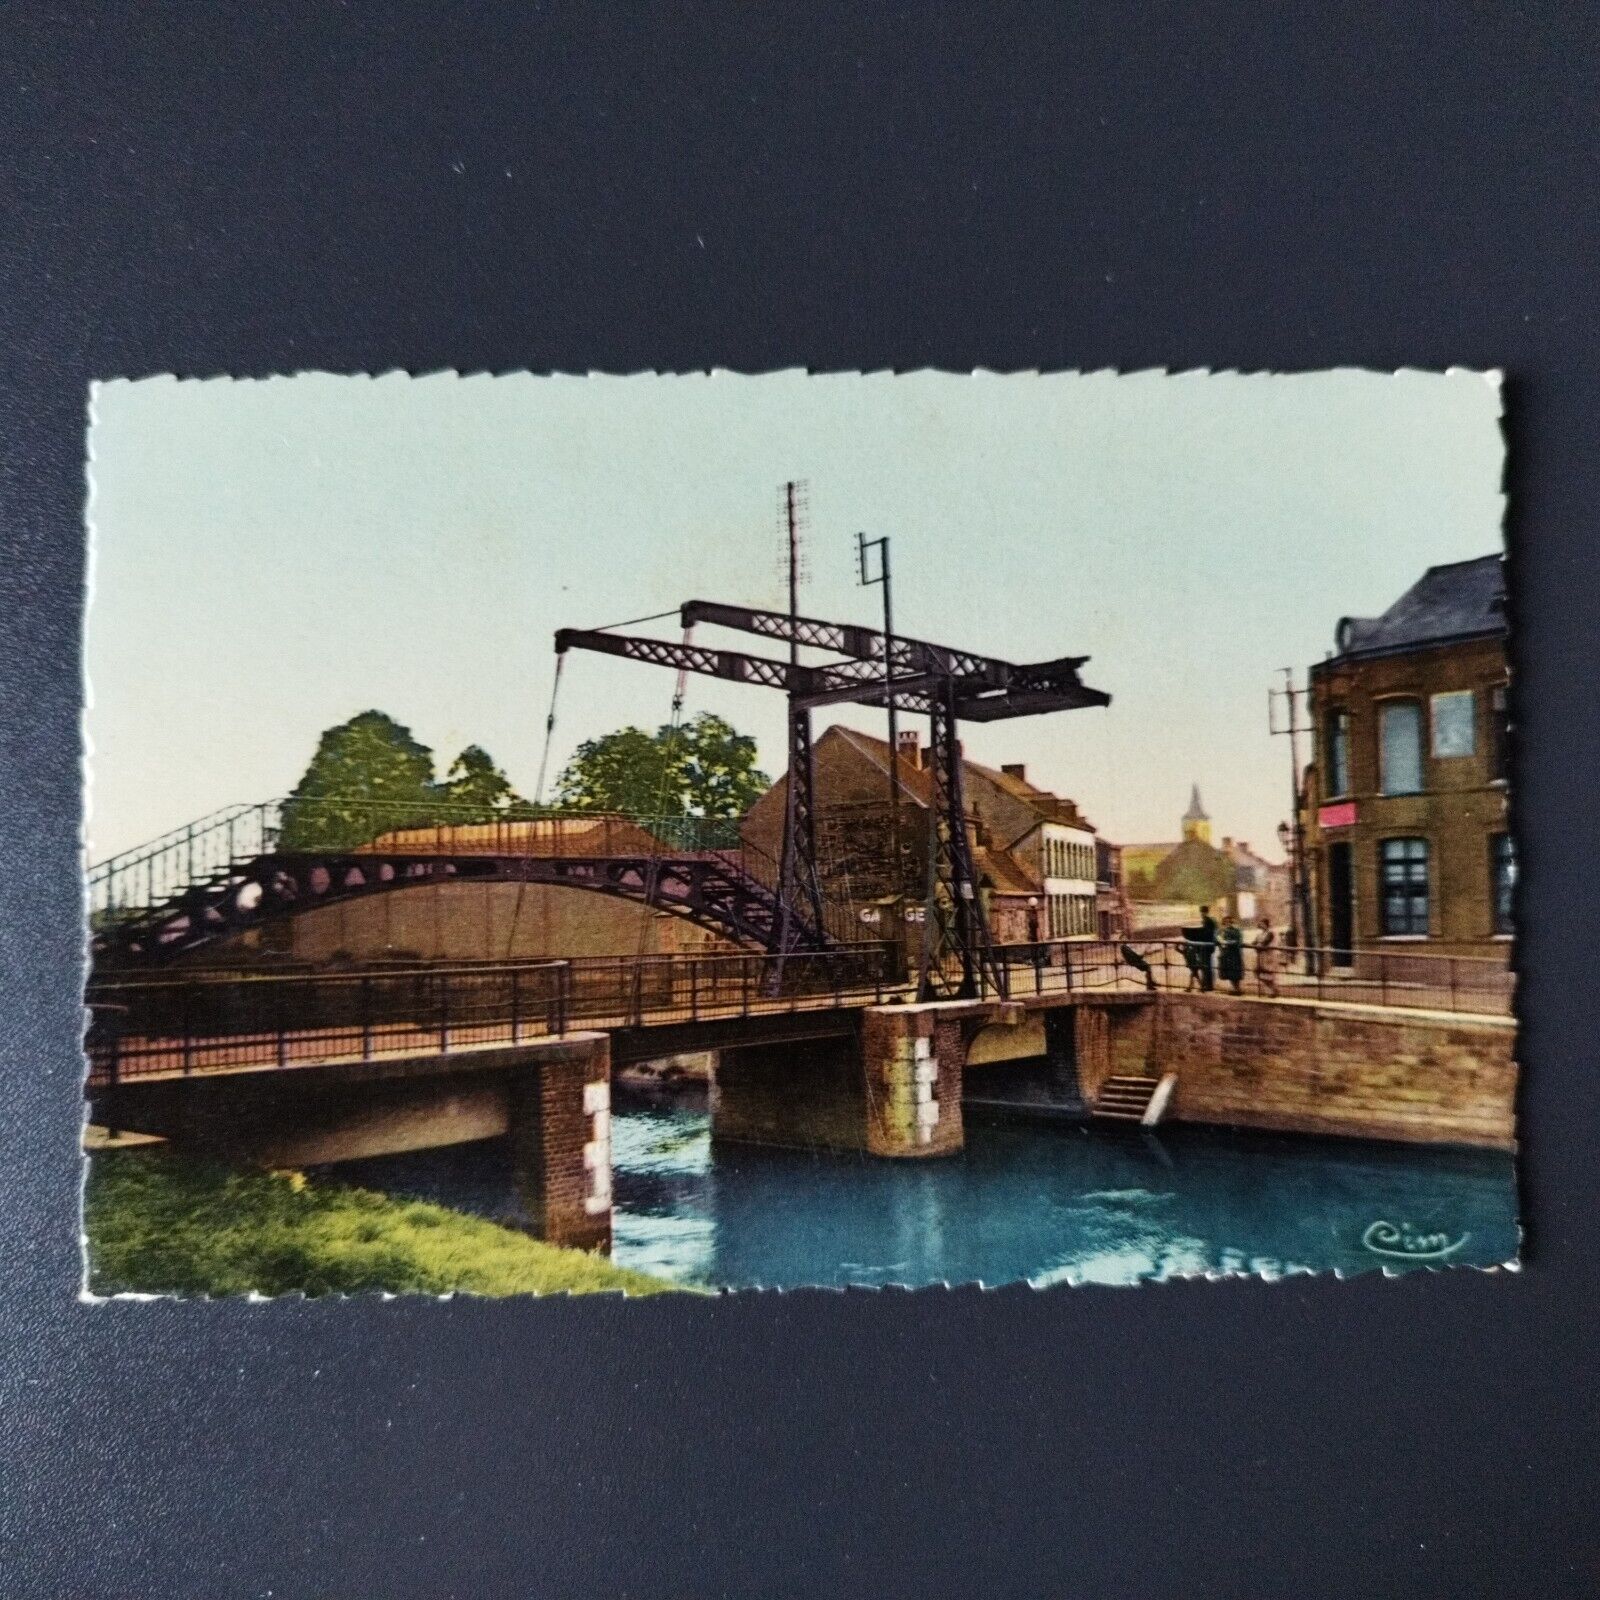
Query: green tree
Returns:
{"type": "Point", "coordinates": [368, 776]}
{"type": "Point", "coordinates": [720, 775]}
{"type": "Point", "coordinates": [476, 786]}
{"type": "Point", "coordinates": [705, 769]}
{"type": "Point", "coordinates": [629, 771]}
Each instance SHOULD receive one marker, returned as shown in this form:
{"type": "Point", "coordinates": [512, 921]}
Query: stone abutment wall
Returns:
{"type": "Point", "coordinates": [1299, 1066]}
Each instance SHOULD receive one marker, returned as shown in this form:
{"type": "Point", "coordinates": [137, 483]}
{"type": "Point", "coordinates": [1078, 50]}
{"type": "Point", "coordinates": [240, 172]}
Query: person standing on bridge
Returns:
{"type": "Point", "coordinates": [1231, 966]}
{"type": "Point", "coordinates": [1206, 953]}
{"type": "Point", "coordinates": [1268, 955]}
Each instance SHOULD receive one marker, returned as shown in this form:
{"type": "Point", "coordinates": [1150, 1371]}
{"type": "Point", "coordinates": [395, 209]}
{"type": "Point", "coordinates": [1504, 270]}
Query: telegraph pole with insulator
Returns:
{"type": "Point", "coordinates": [885, 580]}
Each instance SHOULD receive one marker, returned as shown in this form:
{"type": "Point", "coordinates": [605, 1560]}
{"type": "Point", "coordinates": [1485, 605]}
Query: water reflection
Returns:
{"type": "Point", "coordinates": [1057, 1204]}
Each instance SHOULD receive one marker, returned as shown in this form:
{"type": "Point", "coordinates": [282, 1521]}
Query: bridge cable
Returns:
{"type": "Point", "coordinates": [669, 753]}
{"type": "Point", "coordinates": [538, 804]}
{"type": "Point", "coordinates": [549, 730]}
{"type": "Point", "coordinates": [634, 622]}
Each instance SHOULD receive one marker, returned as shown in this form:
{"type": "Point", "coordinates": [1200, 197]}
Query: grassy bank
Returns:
{"type": "Point", "coordinates": [159, 1223]}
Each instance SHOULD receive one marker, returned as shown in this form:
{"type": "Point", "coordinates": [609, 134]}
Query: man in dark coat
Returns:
{"type": "Point", "coordinates": [1206, 939]}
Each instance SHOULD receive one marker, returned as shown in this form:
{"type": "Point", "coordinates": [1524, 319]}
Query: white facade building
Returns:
{"type": "Point", "coordinates": [1068, 857]}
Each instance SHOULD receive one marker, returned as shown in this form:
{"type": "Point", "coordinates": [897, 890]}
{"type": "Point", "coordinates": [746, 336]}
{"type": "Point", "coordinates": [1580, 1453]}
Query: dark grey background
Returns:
{"type": "Point", "coordinates": [239, 188]}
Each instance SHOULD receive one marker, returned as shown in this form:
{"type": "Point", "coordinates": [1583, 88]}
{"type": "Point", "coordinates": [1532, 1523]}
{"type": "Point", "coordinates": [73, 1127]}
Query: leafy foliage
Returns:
{"type": "Point", "coordinates": [629, 770]}
{"type": "Point", "coordinates": [370, 776]}
{"type": "Point", "coordinates": [161, 1224]}
{"type": "Point", "coordinates": [721, 778]}
{"type": "Point", "coordinates": [706, 769]}
{"type": "Point", "coordinates": [476, 783]}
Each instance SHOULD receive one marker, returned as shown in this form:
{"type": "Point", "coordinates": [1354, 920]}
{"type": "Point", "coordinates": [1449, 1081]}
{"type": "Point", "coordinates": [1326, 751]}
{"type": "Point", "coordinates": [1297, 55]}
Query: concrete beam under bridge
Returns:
{"type": "Point", "coordinates": [550, 1097]}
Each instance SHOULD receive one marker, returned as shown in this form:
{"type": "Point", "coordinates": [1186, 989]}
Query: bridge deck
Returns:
{"type": "Point", "coordinates": [208, 1024]}
{"type": "Point", "coordinates": [148, 1056]}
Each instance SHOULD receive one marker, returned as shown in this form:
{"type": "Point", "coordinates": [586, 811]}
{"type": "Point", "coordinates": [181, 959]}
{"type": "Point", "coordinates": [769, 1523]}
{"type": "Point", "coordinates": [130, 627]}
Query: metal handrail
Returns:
{"type": "Point", "coordinates": [1413, 980]}
{"type": "Point", "coordinates": [148, 875]}
{"type": "Point", "coordinates": [186, 1026]}
{"type": "Point", "coordinates": [196, 1024]}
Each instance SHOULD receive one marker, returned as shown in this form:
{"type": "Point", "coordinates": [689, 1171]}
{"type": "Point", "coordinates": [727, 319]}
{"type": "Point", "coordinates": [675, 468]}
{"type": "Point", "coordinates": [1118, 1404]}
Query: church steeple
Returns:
{"type": "Point", "coordinates": [1196, 824]}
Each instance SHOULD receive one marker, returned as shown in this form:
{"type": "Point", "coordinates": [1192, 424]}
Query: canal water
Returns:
{"type": "Point", "coordinates": [1045, 1203]}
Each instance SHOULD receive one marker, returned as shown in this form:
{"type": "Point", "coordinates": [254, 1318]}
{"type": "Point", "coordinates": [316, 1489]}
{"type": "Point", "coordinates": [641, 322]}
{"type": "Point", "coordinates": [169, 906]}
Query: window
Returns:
{"type": "Point", "coordinates": [1338, 751]}
{"type": "Point", "coordinates": [1400, 747]}
{"type": "Point", "coordinates": [1404, 886]}
{"type": "Point", "coordinates": [1454, 718]}
{"type": "Point", "coordinates": [1499, 734]}
{"type": "Point", "coordinates": [1503, 878]}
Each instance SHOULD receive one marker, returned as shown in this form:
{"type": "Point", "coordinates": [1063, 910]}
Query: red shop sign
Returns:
{"type": "Point", "coordinates": [1342, 814]}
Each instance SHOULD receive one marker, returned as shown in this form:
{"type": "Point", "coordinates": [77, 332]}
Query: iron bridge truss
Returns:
{"type": "Point", "coordinates": [914, 675]}
{"type": "Point", "coordinates": [707, 890]}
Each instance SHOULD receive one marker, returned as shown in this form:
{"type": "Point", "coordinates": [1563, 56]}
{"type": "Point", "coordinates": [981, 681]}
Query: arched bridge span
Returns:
{"type": "Point", "coordinates": [711, 889]}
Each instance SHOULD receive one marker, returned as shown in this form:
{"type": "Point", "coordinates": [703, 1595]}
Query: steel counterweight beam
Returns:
{"type": "Point", "coordinates": [837, 682]}
{"type": "Point", "coordinates": [847, 639]}
{"type": "Point", "coordinates": [914, 657]}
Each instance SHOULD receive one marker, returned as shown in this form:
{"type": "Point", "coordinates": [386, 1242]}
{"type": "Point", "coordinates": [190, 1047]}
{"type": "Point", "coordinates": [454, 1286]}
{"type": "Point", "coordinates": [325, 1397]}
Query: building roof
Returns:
{"type": "Point", "coordinates": [601, 832]}
{"type": "Point", "coordinates": [1195, 872]}
{"type": "Point", "coordinates": [1461, 600]}
{"type": "Point", "coordinates": [1196, 811]}
{"type": "Point", "coordinates": [1005, 873]}
{"type": "Point", "coordinates": [917, 782]}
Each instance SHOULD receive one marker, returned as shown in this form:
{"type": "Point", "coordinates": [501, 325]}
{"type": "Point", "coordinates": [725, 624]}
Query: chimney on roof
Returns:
{"type": "Point", "coordinates": [909, 746]}
{"type": "Point", "coordinates": [1015, 769]}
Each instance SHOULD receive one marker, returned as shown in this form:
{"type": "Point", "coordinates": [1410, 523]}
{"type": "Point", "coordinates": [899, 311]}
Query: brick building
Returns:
{"type": "Point", "coordinates": [1405, 813]}
{"type": "Point", "coordinates": [1043, 871]}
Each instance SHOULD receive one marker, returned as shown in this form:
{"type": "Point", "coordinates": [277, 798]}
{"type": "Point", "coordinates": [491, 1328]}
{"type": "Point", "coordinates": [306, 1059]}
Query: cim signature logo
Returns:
{"type": "Point", "coordinates": [1401, 1240]}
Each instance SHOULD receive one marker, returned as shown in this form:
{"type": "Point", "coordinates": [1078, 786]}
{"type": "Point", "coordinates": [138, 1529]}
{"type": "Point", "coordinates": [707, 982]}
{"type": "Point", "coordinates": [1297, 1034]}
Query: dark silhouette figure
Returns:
{"type": "Point", "coordinates": [1231, 965]}
{"type": "Point", "coordinates": [1139, 964]}
{"type": "Point", "coordinates": [1200, 951]}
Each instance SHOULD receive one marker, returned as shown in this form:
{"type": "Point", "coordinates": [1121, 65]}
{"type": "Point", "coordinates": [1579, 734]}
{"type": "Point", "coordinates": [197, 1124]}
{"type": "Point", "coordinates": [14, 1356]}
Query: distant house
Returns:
{"type": "Point", "coordinates": [1168, 881]}
{"type": "Point", "coordinates": [1261, 888]}
{"type": "Point", "coordinates": [1406, 799]}
{"type": "Point", "coordinates": [1042, 870]}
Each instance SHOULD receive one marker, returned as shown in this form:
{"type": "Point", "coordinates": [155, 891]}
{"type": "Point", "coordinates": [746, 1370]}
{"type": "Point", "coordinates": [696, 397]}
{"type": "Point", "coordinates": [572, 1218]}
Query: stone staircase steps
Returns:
{"type": "Point", "coordinates": [1125, 1099]}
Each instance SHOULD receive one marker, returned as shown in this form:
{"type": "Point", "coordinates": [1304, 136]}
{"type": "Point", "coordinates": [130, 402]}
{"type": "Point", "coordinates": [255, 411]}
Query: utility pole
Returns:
{"type": "Point", "coordinates": [798, 796]}
{"type": "Point", "coordinates": [1301, 929]}
{"type": "Point", "coordinates": [792, 526]}
{"type": "Point", "coordinates": [884, 579]}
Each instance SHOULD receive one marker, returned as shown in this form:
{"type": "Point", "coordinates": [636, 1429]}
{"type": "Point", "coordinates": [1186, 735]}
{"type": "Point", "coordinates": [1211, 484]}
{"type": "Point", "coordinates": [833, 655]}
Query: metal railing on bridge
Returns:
{"type": "Point", "coordinates": [217, 1021]}
{"type": "Point", "coordinates": [128, 884]}
{"type": "Point", "coordinates": [1483, 985]}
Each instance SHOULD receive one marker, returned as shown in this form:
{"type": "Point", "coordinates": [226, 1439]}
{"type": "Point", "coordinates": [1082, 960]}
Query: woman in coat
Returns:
{"type": "Point", "coordinates": [1230, 959]}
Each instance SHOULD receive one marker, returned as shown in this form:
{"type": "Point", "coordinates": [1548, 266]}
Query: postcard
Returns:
{"type": "Point", "coordinates": [711, 832]}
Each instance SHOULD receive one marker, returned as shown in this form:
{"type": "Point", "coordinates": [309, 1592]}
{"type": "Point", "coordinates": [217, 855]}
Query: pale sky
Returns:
{"type": "Point", "coordinates": [271, 557]}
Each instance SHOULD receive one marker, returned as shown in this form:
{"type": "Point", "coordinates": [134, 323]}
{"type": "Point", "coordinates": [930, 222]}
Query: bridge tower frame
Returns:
{"type": "Point", "coordinates": [910, 675]}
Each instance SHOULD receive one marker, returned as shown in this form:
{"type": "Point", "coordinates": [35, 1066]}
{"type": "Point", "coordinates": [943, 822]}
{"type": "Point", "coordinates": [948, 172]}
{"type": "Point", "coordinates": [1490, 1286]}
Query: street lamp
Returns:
{"type": "Point", "coordinates": [1287, 841]}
